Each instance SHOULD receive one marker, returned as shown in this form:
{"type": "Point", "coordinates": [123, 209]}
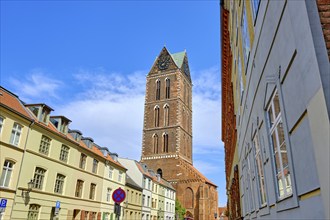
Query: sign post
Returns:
{"type": "Point", "coordinates": [57, 207]}
{"type": "Point", "coordinates": [3, 205]}
{"type": "Point", "coordinates": [118, 196]}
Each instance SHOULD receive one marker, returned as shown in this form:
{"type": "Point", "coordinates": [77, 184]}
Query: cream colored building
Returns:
{"type": "Point", "coordinates": [132, 207]}
{"type": "Point", "coordinates": [156, 191]}
{"type": "Point", "coordinates": [63, 167]}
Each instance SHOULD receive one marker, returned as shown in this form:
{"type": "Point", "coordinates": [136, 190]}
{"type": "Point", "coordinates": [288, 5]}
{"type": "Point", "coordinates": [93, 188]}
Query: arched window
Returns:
{"type": "Point", "coordinates": [156, 116]}
{"type": "Point", "coordinates": [168, 87]}
{"type": "Point", "coordinates": [155, 138]}
{"type": "Point", "coordinates": [157, 89]}
{"type": "Point", "coordinates": [188, 198]}
{"type": "Point", "coordinates": [166, 115]}
{"type": "Point", "coordinates": [160, 172]}
{"type": "Point", "coordinates": [165, 142]}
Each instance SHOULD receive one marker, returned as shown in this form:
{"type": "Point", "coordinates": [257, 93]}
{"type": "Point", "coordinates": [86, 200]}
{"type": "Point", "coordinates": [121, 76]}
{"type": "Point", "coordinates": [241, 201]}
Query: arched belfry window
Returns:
{"type": "Point", "coordinates": [168, 87]}
{"type": "Point", "coordinates": [165, 142]}
{"type": "Point", "coordinates": [157, 89]}
{"type": "Point", "coordinates": [188, 198]}
{"type": "Point", "coordinates": [166, 115]}
{"type": "Point", "coordinates": [156, 116]}
{"type": "Point", "coordinates": [160, 172]}
{"type": "Point", "coordinates": [155, 140]}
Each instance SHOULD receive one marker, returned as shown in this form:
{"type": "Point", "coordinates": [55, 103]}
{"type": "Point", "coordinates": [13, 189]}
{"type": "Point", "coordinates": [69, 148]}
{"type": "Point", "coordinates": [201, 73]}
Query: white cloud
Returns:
{"type": "Point", "coordinates": [206, 111]}
{"type": "Point", "coordinates": [109, 106]}
{"type": "Point", "coordinates": [38, 85]}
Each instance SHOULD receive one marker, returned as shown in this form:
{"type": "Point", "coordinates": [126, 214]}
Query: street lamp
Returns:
{"type": "Point", "coordinates": [29, 189]}
{"type": "Point", "coordinates": [30, 185]}
{"type": "Point", "coordinates": [215, 215]}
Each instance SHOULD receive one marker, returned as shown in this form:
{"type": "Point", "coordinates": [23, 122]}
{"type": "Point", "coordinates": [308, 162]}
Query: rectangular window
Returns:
{"type": "Point", "coordinates": [149, 184]}
{"type": "Point", "coordinates": [279, 149]}
{"type": "Point", "coordinates": [106, 216]}
{"type": "Point", "coordinates": [144, 182]}
{"type": "Point", "coordinates": [39, 175]}
{"type": "Point", "coordinates": [120, 176]}
{"type": "Point", "coordinates": [255, 8]}
{"type": "Point", "coordinates": [108, 194]}
{"type": "Point", "coordinates": [95, 164]}
{"type": "Point", "coordinates": [245, 38]}
{"type": "Point", "coordinates": [148, 201]}
{"type": "Point", "coordinates": [6, 173]}
{"type": "Point", "coordinates": [79, 188]}
{"type": "Point", "coordinates": [110, 172]}
{"type": "Point", "coordinates": [33, 213]}
{"type": "Point", "coordinates": [1, 123]}
{"type": "Point", "coordinates": [44, 145]}
{"type": "Point", "coordinates": [92, 191]}
{"type": "Point", "coordinates": [143, 200]}
{"type": "Point", "coordinates": [64, 153]}
{"type": "Point", "coordinates": [15, 134]}
{"type": "Point", "coordinates": [260, 170]}
{"type": "Point", "coordinates": [59, 183]}
{"type": "Point", "coordinates": [82, 162]}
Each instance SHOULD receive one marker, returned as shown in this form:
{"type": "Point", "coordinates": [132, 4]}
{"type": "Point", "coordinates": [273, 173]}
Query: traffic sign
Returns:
{"type": "Point", "coordinates": [118, 195]}
{"type": "Point", "coordinates": [57, 204]}
{"type": "Point", "coordinates": [3, 203]}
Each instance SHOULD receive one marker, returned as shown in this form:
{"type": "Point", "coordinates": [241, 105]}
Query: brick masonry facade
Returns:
{"type": "Point", "coordinates": [173, 157]}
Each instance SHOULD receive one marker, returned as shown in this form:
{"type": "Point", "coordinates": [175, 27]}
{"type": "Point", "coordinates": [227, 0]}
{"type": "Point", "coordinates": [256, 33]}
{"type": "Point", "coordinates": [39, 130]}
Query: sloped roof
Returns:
{"type": "Point", "coordinates": [12, 101]}
{"type": "Point", "coordinates": [178, 58]}
{"type": "Point", "coordinates": [199, 174]}
{"type": "Point", "coordinates": [130, 182]}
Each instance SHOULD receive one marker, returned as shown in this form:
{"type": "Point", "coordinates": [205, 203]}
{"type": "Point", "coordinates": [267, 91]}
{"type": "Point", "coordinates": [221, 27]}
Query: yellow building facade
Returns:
{"type": "Point", "coordinates": [50, 171]}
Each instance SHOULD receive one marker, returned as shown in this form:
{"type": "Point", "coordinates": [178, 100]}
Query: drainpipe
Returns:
{"type": "Point", "coordinates": [20, 169]}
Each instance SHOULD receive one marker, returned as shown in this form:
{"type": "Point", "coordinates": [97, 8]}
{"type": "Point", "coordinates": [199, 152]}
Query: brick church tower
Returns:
{"type": "Point", "coordinates": [167, 134]}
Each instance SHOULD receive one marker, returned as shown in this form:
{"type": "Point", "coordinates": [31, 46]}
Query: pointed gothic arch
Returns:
{"type": "Point", "coordinates": [188, 198]}
{"type": "Point", "coordinates": [167, 88]}
{"type": "Point", "coordinates": [156, 116]}
{"type": "Point", "coordinates": [155, 143]}
{"type": "Point", "coordinates": [158, 85]}
{"type": "Point", "coordinates": [165, 142]}
{"type": "Point", "coordinates": [166, 115]}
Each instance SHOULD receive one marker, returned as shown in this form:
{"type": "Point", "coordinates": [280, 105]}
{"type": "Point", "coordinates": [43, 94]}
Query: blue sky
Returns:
{"type": "Point", "coordinates": [88, 60]}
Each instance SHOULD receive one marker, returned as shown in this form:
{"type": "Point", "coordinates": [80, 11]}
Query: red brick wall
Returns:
{"type": "Point", "coordinates": [324, 11]}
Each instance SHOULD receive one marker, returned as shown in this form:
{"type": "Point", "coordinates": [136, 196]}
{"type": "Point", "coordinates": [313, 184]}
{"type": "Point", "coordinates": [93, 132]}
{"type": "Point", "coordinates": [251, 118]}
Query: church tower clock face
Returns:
{"type": "Point", "coordinates": [163, 62]}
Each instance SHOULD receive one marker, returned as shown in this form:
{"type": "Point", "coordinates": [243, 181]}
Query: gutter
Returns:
{"type": "Point", "coordinates": [20, 169]}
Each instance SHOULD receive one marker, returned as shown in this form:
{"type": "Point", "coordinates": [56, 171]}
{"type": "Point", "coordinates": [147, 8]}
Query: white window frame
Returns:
{"type": "Point", "coordinates": [15, 134]}
{"type": "Point", "coordinates": [8, 167]}
{"type": "Point", "coordinates": [64, 154]}
{"type": "Point", "coordinates": [260, 170]}
{"type": "Point", "coordinates": [59, 184]}
{"type": "Point", "coordinates": [111, 170]}
{"type": "Point", "coordinates": [39, 177]}
{"type": "Point", "coordinates": [108, 195]}
{"type": "Point", "coordinates": [273, 121]}
{"type": "Point", "coordinates": [44, 145]}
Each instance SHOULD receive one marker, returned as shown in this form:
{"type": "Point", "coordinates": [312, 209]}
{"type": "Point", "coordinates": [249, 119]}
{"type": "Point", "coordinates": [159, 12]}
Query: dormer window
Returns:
{"type": "Point", "coordinates": [88, 141]}
{"type": "Point", "coordinates": [61, 123]}
{"type": "Point", "coordinates": [41, 111]}
{"type": "Point", "coordinates": [76, 134]}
